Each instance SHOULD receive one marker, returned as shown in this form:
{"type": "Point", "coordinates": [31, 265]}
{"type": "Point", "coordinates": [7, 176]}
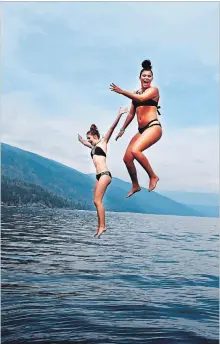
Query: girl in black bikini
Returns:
{"type": "Point", "coordinates": [145, 105]}
{"type": "Point", "coordinates": [103, 176]}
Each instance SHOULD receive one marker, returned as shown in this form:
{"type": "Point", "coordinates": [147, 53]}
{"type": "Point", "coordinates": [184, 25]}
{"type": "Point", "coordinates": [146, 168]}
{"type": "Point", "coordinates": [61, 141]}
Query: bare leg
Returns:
{"type": "Point", "coordinates": [97, 212]}
{"type": "Point", "coordinates": [147, 139]}
{"type": "Point", "coordinates": [128, 159]}
{"type": "Point", "coordinates": [102, 185]}
{"type": "Point", "coordinates": [129, 162]}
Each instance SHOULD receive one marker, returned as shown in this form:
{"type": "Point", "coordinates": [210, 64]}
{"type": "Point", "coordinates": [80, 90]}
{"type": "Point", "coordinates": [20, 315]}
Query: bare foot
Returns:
{"type": "Point", "coordinates": [133, 190]}
{"type": "Point", "coordinates": [100, 231]}
{"type": "Point", "coordinates": [97, 230]}
{"type": "Point", "coordinates": [153, 183]}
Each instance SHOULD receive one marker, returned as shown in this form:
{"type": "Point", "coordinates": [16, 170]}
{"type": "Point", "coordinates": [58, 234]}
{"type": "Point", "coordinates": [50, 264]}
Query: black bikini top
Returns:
{"type": "Point", "coordinates": [97, 151]}
{"type": "Point", "coordinates": [148, 102]}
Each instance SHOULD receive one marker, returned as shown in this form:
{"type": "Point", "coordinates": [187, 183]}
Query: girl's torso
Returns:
{"type": "Point", "coordinates": [98, 154]}
{"type": "Point", "coordinates": [146, 111]}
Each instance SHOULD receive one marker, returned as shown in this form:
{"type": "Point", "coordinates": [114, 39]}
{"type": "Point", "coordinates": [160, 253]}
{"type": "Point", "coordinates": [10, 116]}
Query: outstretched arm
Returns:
{"type": "Point", "coordinates": [110, 131]}
{"type": "Point", "coordinates": [84, 142]}
{"type": "Point", "coordinates": [150, 93]}
{"type": "Point", "coordinates": [128, 120]}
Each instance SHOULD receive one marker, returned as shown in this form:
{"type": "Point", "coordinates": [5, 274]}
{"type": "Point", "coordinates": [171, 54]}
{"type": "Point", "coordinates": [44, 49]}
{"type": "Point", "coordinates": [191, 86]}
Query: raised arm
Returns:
{"type": "Point", "coordinates": [114, 125]}
{"type": "Point", "coordinates": [150, 93]}
{"type": "Point", "coordinates": [84, 142]}
{"type": "Point", "coordinates": [128, 120]}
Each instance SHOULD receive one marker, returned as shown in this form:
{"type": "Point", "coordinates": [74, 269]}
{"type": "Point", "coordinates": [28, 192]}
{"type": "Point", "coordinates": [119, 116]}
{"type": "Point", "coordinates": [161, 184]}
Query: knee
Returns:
{"type": "Point", "coordinates": [97, 202]}
{"type": "Point", "coordinates": [135, 152]}
{"type": "Point", "coordinates": [128, 158]}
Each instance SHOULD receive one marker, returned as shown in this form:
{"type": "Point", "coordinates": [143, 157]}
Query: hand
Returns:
{"type": "Point", "coordinates": [121, 132]}
{"type": "Point", "coordinates": [79, 138]}
{"type": "Point", "coordinates": [115, 88]}
{"type": "Point", "coordinates": [122, 111]}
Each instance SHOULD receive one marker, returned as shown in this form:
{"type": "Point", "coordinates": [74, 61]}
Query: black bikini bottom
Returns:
{"type": "Point", "coordinates": [141, 130]}
{"type": "Point", "coordinates": [106, 173]}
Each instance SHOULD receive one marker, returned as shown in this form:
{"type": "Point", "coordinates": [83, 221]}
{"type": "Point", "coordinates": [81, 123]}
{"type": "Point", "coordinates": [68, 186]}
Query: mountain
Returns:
{"type": "Point", "coordinates": [206, 203]}
{"type": "Point", "coordinates": [194, 198]}
{"type": "Point", "coordinates": [209, 211]}
{"type": "Point", "coordinates": [150, 202]}
{"type": "Point", "coordinates": [53, 176]}
{"type": "Point", "coordinates": [73, 185]}
{"type": "Point", "coordinates": [19, 193]}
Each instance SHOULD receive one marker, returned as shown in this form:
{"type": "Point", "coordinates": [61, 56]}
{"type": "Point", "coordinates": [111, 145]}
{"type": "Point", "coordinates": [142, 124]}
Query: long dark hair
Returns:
{"type": "Point", "coordinates": [146, 65]}
{"type": "Point", "coordinates": [93, 131]}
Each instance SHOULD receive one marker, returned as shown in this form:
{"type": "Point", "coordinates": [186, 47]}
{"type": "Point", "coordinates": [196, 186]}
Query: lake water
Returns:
{"type": "Point", "coordinates": [148, 279]}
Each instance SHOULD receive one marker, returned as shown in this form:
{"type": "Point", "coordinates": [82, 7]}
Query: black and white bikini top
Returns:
{"type": "Point", "coordinates": [97, 151]}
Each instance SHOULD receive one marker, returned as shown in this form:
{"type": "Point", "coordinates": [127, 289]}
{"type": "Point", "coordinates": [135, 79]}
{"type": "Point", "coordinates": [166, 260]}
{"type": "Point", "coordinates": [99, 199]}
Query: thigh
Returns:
{"type": "Point", "coordinates": [131, 143]}
{"type": "Point", "coordinates": [101, 187]}
{"type": "Point", "coordinates": [150, 136]}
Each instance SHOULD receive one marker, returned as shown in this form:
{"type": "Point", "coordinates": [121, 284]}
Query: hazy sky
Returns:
{"type": "Point", "coordinates": [58, 60]}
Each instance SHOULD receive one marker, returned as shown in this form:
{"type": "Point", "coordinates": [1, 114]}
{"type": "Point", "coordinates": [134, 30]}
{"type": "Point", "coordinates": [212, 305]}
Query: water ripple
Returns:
{"type": "Point", "coordinates": [149, 279]}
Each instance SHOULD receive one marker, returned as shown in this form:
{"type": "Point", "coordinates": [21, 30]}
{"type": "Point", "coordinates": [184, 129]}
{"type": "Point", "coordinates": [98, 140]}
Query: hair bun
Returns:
{"type": "Point", "coordinates": [146, 64]}
{"type": "Point", "coordinates": [93, 127]}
